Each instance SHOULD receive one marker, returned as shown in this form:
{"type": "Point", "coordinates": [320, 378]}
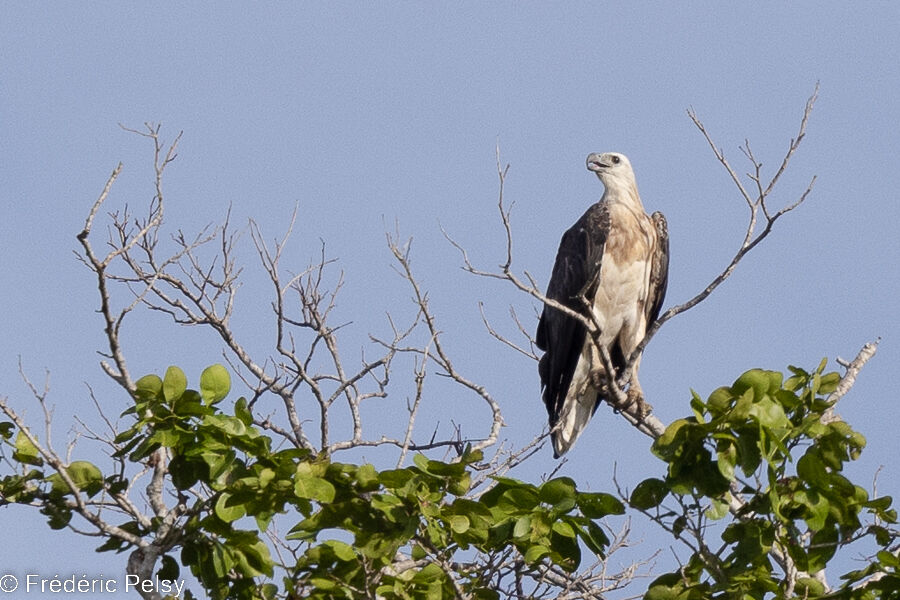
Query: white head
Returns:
{"type": "Point", "coordinates": [614, 170]}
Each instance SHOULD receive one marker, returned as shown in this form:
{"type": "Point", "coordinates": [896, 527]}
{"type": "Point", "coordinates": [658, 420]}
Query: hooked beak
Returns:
{"type": "Point", "coordinates": [594, 163]}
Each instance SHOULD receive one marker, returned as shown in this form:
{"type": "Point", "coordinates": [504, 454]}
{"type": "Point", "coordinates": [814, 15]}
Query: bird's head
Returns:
{"type": "Point", "coordinates": [613, 169]}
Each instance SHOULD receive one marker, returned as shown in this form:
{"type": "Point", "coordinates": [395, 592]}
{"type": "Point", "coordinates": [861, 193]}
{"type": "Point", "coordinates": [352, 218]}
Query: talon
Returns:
{"type": "Point", "coordinates": [636, 400]}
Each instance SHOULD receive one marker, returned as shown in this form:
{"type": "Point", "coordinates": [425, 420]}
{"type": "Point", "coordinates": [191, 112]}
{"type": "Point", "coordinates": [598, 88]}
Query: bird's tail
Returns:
{"type": "Point", "coordinates": [574, 417]}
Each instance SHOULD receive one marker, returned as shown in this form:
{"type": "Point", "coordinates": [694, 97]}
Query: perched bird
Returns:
{"type": "Point", "coordinates": [613, 262]}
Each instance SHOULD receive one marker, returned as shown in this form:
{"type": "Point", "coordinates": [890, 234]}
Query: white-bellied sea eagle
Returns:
{"type": "Point", "coordinates": [615, 260]}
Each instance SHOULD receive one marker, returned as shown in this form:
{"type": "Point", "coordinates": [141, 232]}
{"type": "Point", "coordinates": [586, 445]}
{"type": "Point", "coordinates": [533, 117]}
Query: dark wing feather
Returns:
{"type": "Point", "coordinates": [659, 270]}
{"type": "Point", "coordinates": [576, 274]}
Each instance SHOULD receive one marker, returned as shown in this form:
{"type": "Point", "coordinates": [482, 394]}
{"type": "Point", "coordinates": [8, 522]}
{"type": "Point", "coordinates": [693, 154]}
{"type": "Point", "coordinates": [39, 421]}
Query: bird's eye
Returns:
{"type": "Point", "coordinates": [616, 160]}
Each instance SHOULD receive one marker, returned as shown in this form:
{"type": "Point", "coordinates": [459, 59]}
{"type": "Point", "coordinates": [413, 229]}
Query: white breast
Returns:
{"type": "Point", "coordinates": [620, 296]}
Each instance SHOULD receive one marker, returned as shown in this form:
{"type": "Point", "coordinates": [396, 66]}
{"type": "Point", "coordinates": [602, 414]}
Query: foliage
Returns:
{"type": "Point", "coordinates": [768, 453]}
{"type": "Point", "coordinates": [354, 520]}
{"type": "Point", "coordinates": [760, 463]}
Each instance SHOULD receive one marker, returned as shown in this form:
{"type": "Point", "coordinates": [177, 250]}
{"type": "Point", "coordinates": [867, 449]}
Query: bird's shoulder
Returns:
{"type": "Point", "coordinates": [580, 252]}
{"type": "Point", "coordinates": [591, 228]}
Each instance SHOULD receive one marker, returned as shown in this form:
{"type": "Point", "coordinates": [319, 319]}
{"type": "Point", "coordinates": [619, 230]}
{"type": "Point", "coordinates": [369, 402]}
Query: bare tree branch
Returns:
{"type": "Point", "coordinates": [756, 202]}
{"type": "Point", "coordinates": [852, 371]}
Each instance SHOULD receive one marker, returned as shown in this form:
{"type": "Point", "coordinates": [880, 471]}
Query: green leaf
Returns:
{"type": "Point", "coordinates": [390, 505]}
{"type": "Point", "coordinates": [149, 387]}
{"type": "Point", "coordinates": [559, 493]}
{"type": "Point", "coordinates": [367, 478]}
{"type": "Point", "coordinates": [522, 527]}
{"type": "Point", "coordinates": [518, 498]}
{"type": "Point", "coordinates": [429, 573]}
{"type": "Point", "coordinates": [776, 378]}
{"type": "Point", "coordinates": [85, 476]}
{"type": "Point", "coordinates": [718, 509]}
{"type": "Point", "coordinates": [460, 485]}
{"type": "Point", "coordinates": [256, 558]}
{"type": "Point", "coordinates": [661, 592]}
{"type": "Point", "coordinates": [186, 473]}
{"type": "Point", "coordinates": [817, 506]}
{"type": "Point", "coordinates": [719, 402]}
{"type": "Point", "coordinates": [565, 552]}
{"type": "Point", "coordinates": [770, 414]}
{"type": "Point", "coordinates": [698, 407]}
{"type": "Point", "coordinates": [341, 550]}
{"type": "Point", "coordinates": [57, 517]}
{"type": "Point", "coordinates": [110, 545]}
{"type": "Point", "coordinates": [129, 433]}
{"type": "Point", "coordinates": [594, 538]}
{"type": "Point", "coordinates": [811, 469]}
{"type": "Point", "coordinates": [307, 485]}
{"type": "Point", "coordinates": [215, 383]}
{"type": "Point", "coordinates": [418, 552]}
{"type": "Point", "coordinates": [174, 384]}
{"type": "Point", "coordinates": [266, 476]}
{"type": "Point", "coordinates": [536, 553]}
{"type": "Point", "coordinates": [749, 455]}
{"type": "Point", "coordinates": [828, 383]}
{"type": "Point", "coordinates": [807, 587]}
{"type": "Point", "coordinates": [229, 512]}
{"type": "Point", "coordinates": [395, 478]}
{"type": "Point", "coordinates": [6, 429]}
{"type": "Point", "coordinates": [649, 494]}
{"type": "Point", "coordinates": [667, 445]}
{"type": "Point", "coordinates": [189, 404]}
{"type": "Point", "coordinates": [323, 584]}
{"type": "Point", "coordinates": [421, 461]}
{"type": "Point", "coordinates": [888, 558]}
{"type": "Point", "coordinates": [596, 505]}
{"type": "Point", "coordinates": [727, 456]}
{"type": "Point", "coordinates": [170, 437]}
{"type": "Point", "coordinates": [564, 529]}
{"type": "Point", "coordinates": [229, 425]}
{"type": "Point", "coordinates": [242, 412]}
{"type": "Point", "coordinates": [459, 523]}
{"type": "Point", "coordinates": [755, 379]}
{"type": "Point", "coordinates": [169, 569]}
{"type": "Point", "coordinates": [822, 547]}
{"type": "Point", "coordinates": [741, 409]}
{"type": "Point", "coordinates": [678, 526]}
{"type": "Point", "coordinates": [882, 534]}
{"type": "Point", "coordinates": [879, 504]}
{"type": "Point", "coordinates": [26, 452]}
{"type": "Point", "coordinates": [751, 538]}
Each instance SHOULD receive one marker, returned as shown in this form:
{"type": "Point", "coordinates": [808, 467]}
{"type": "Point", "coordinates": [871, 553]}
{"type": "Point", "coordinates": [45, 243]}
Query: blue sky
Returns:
{"type": "Point", "coordinates": [364, 116]}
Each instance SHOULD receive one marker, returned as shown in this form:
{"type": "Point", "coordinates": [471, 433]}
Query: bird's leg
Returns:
{"type": "Point", "coordinates": [636, 404]}
{"type": "Point", "coordinates": [604, 380]}
{"type": "Point", "coordinates": [600, 381]}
